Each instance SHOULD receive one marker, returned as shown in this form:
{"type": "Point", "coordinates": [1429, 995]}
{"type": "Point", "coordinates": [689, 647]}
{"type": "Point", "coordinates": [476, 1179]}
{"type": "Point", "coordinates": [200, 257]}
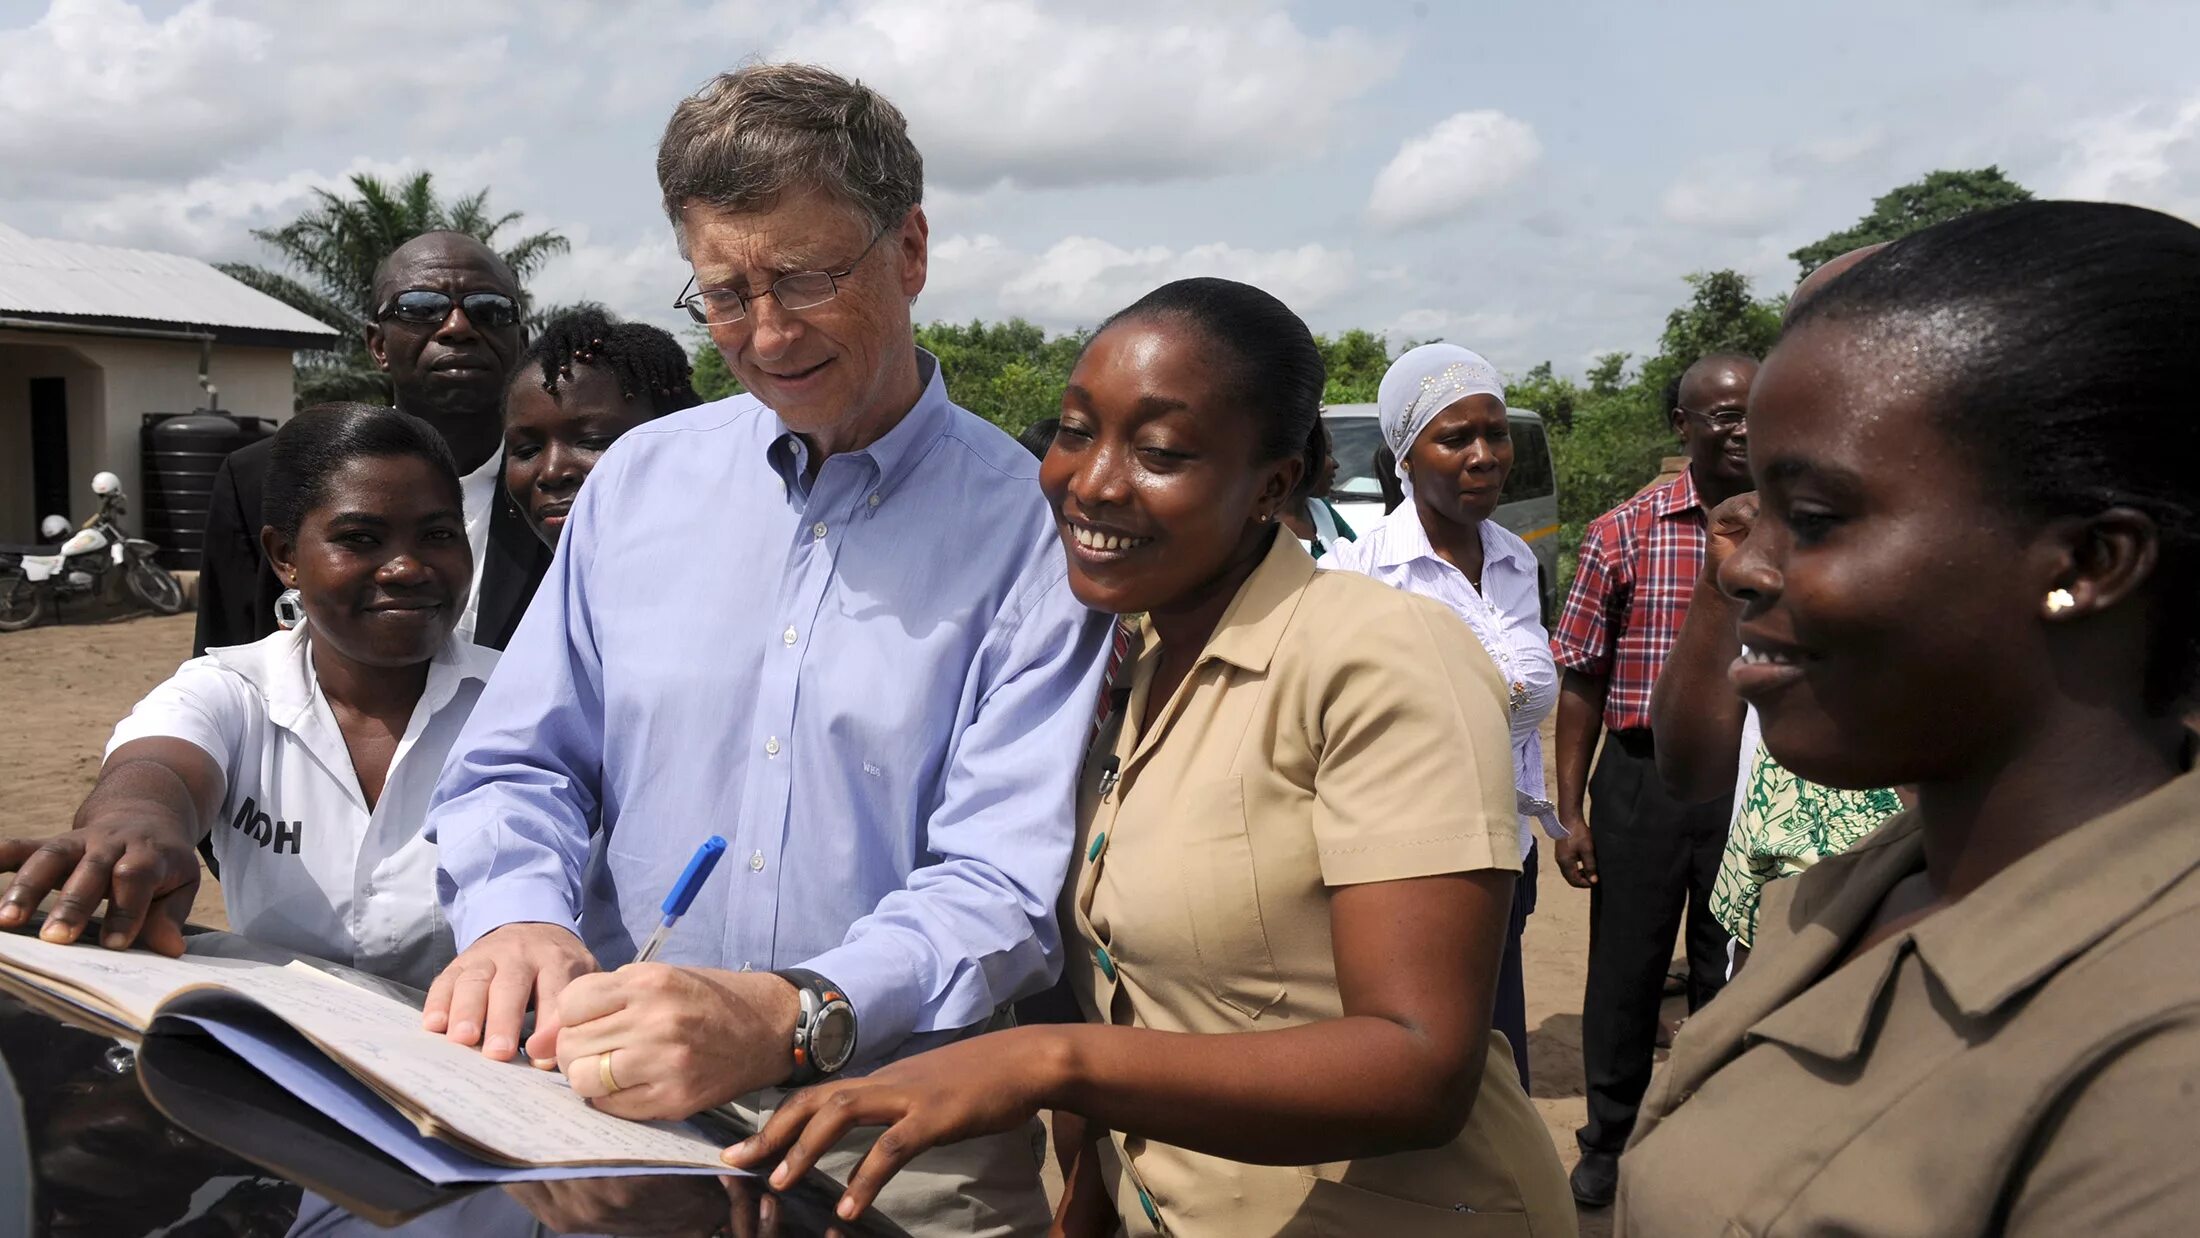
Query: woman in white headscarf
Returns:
{"type": "Point", "coordinates": [1443, 416]}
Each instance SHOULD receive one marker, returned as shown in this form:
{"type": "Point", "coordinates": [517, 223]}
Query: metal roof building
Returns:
{"type": "Point", "coordinates": [93, 337]}
{"type": "Point", "coordinates": [96, 286]}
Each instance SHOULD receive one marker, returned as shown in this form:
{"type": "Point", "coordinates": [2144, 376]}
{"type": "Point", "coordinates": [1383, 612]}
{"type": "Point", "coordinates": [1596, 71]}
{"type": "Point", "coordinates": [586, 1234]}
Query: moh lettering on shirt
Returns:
{"type": "Point", "coordinates": [306, 864]}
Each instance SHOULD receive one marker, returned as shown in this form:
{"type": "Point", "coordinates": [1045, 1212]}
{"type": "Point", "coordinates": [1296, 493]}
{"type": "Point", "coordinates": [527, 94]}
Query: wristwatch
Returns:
{"type": "Point", "coordinates": [825, 1030]}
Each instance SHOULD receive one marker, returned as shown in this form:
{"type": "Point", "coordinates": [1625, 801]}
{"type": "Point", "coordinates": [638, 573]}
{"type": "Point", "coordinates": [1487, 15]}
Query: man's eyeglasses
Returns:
{"type": "Point", "coordinates": [1728, 419]}
{"type": "Point", "coordinates": [427, 307]}
{"type": "Point", "coordinates": [715, 307]}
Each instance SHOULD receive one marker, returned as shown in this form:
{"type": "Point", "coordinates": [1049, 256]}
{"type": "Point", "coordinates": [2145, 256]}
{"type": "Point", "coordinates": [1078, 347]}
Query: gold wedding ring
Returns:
{"type": "Point", "coordinates": [603, 1071]}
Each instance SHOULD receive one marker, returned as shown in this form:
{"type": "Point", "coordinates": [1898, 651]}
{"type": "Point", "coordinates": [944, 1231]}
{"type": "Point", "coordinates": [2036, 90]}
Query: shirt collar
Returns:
{"type": "Point", "coordinates": [895, 452]}
{"type": "Point", "coordinates": [2046, 908]}
{"type": "Point", "coordinates": [1403, 539]}
{"type": "Point", "coordinates": [1676, 496]}
{"type": "Point", "coordinates": [1986, 950]}
{"type": "Point", "coordinates": [1254, 623]}
{"type": "Point", "coordinates": [486, 474]}
{"type": "Point", "coordinates": [281, 667]}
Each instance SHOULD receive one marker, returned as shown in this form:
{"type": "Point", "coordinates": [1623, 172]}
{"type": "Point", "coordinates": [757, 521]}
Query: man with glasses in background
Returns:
{"type": "Point", "coordinates": [769, 621]}
{"type": "Point", "coordinates": [1643, 855]}
{"type": "Point", "coordinates": [446, 329]}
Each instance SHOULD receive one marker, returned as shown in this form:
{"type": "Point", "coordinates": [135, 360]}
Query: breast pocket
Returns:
{"type": "Point", "coordinates": [1222, 895]}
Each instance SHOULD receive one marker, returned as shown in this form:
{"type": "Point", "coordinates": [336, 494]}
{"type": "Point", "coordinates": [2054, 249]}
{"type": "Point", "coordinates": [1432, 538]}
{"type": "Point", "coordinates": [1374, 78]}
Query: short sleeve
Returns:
{"type": "Point", "coordinates": [1414, 770]}
{"type": "Point", "coordinates": [204, 704]}
{"type": "Point", "coordinates": [1584, 640]}
{"type": "Point", "coordinates": [2116, 1158]}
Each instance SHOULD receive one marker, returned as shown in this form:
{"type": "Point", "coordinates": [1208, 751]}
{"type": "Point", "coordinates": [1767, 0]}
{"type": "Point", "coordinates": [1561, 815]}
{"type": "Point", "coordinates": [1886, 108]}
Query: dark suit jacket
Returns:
{"type": "Point", "coordinates": [237, 588]}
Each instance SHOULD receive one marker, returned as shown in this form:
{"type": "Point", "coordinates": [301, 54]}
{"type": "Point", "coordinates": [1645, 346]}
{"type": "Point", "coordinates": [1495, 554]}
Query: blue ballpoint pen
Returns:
{"type": "Point", "coordinates": [683, 894]}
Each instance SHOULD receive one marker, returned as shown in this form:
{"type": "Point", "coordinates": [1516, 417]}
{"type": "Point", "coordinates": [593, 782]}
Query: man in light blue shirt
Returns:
{"type": "Point", "coordinates": [828, 620]}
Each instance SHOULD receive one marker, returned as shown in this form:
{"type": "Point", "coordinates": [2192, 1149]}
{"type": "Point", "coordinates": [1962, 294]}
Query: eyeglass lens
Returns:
{"type": "Point", "coordinates": [483, 309]}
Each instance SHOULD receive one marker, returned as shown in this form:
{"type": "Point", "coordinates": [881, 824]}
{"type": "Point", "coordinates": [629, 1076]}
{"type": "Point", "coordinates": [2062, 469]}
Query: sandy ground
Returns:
{"type": "Point", "coordinates": [62, 688]}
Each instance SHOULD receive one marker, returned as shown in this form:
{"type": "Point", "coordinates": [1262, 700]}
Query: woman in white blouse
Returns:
{"type": "Point", "coordinates": [307, 757]}
{"type": "Point", "coordinates": [1443, 416]}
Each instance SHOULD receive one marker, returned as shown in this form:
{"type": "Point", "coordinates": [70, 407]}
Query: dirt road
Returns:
{"type": "Point", "coordinates": [62, 688]}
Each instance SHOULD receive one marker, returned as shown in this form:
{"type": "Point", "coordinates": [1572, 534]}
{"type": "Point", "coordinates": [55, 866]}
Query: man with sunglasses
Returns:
{"type": "Point", "coordinates": [1644, 856]}
{"type": "Point", "coordinates": [446, 329]}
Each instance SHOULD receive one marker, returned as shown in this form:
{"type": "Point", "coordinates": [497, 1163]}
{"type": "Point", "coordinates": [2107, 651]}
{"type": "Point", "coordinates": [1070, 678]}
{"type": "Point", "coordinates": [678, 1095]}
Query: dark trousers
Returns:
{"type": "Point", "coordinates": [1509, 1013]}
{"type": "Point", "coordinates": [1655, 856]}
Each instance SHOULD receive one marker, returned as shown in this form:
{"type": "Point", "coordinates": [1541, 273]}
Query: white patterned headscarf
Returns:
{"type": "Point", "coordinates": [1422, 383]}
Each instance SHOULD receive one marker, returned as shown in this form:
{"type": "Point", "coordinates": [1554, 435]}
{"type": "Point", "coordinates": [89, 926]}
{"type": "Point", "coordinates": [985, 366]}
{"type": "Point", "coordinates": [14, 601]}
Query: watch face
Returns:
{"type": "Point", "coordinates": [833, 1037]}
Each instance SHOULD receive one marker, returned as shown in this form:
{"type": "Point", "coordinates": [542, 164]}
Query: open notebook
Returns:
{"type": "Point", "coordinates": [358, 1057]}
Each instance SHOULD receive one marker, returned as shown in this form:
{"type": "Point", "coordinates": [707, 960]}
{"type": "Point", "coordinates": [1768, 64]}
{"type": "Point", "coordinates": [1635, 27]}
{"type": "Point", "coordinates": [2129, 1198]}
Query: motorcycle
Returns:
{"type": "Point", "coordinates": [85, 566]}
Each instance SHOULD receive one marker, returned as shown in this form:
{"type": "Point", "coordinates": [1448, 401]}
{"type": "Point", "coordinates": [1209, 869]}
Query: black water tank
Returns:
{"type": "Point", "coordinates": [180, 452]}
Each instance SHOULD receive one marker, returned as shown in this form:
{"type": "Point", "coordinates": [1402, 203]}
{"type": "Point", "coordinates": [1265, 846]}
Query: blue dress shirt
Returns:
{"type": "Point", "coordinates": [876, 685]}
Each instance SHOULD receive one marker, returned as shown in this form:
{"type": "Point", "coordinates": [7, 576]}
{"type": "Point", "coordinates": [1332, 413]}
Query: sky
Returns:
{"type": "Point", "coordinates": [1532, 180]}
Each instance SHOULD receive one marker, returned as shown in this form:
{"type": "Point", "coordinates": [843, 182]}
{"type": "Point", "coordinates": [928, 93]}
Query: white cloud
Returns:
{"type": "Point", "coordinates": [1847, 147]}
{"type": "Point", "coordinates": [95, 91]}
{"type": "Point", "coordinates": [1489, 332]}
{"type": "Point", "coordinates": [1008, 89]}
{"type": "Point", "coordinates": [1743, 202]}
{"type": "Point", "coordinates": [636, 280]}
{"type": "Point", "coordinates": [966, 274]}
{"type": "Point", "coordinates": [1081, 279]}
{"type": "Point", "coordinates": [1464, 159]}
{"type": "Point", "coordinates": [2146, 155]}
{"type": "Point", "coordinates": [211, 217]}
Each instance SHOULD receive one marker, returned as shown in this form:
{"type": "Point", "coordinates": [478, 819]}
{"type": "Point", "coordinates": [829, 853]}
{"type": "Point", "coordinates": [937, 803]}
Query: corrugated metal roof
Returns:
{"type": "Point", "coordinates": [100, 281]}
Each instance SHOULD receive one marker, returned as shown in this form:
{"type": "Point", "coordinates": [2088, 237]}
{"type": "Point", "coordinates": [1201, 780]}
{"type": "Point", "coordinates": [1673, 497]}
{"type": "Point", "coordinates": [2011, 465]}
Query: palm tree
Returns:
{"type": "Point", "coordinates": [334, 249]}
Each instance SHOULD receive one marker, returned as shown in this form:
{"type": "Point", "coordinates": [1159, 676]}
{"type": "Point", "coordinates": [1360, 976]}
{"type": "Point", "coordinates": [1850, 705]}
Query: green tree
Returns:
{"type": "Point", "coordinates": [1543, 391]}
{"type": "Point", "coordinates": [329, 254]}
{"type": "Point", "coordinates": [1621, 425]}
{"type": "Point", "coordinates": [1940, 197]}
{"type": "Point", "coordinates": [712, 380]}
{"type": "Point", "coordinates": [1356, 361]}
{"type": "Point", "coordinates": [1607, 372]}
{"type": "Point", "coordinates": [1009, 373]}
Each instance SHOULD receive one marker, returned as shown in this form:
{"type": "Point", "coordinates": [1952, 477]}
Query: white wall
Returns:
{"type": "Point", "coordinates": [113, 382]}
{"type": "Point", "coordinates": [48, 358]}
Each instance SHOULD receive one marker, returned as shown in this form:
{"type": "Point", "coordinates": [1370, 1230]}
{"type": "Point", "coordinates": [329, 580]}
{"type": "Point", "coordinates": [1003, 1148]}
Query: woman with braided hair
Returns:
{"type": "Point", "coordinates": [586, 380]}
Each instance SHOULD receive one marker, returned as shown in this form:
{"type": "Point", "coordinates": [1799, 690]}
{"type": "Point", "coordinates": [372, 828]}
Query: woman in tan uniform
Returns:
{"type": "Point", "coordinates": [1974, 572]}
{"type": "Point", "coordinates": [1298, 843]}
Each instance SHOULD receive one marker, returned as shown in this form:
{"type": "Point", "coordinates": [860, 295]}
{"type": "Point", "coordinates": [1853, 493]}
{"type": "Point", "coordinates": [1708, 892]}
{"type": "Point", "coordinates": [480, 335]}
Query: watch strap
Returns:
{"type": "Point", "coordinates": [816, 993]}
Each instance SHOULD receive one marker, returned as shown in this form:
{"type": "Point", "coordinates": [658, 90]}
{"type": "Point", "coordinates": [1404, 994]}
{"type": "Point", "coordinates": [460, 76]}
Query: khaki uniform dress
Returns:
{"type": "Point", "coordinates": [2025, 1062]}
{"type": "Point", "coordinates": [1334, 731]}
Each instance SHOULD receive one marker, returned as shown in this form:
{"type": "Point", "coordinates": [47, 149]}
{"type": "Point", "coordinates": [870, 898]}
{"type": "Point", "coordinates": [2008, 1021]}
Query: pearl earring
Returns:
{"type": "Point", "coordinates": [2059, 601]}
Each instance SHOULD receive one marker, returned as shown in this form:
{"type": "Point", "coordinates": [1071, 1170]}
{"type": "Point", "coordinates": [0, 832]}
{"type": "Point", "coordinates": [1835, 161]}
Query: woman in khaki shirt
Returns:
{"type": "Point", "coordinates": [1973, 571]}
{"type": "Point", "coordinates": [1298, 842]}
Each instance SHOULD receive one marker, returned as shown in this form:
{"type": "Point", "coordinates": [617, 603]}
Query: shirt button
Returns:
{"type": "Point", "coordinates": [771, 746]}
{"type": "Point", "coordinates": [788, 636]}
{"type": "Point", "coordinates": [818, 530]}
{"type": "Point", "coordinates": [1099, 843]}
{"type": "Point", "coordinates": [874, 500]}
{"type": "Point", "coordinates": [756, 862]}
{"type": "Point", "coordinates": [1107, 964]}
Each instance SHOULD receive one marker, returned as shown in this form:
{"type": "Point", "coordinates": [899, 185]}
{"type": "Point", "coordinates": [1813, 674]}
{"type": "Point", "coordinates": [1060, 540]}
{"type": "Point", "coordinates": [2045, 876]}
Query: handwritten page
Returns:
{"type": "Point", "coordinates": [130, 983]}
{"type": "Point", "coordinates": [503, 1111]}
{"type": "Point", "coordinates": [509, 1110]}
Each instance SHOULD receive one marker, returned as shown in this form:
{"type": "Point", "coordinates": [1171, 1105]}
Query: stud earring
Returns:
{"type": "Point", "coordinates": [2060, 601]}
{"type": "Point", "coordinates": [289, 610]}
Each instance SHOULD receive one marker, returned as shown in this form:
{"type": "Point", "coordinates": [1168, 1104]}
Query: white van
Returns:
{"type": "Point", "coordinates": [1529, 506]}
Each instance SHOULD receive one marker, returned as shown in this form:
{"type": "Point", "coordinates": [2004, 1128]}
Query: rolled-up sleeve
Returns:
{"type": "Point", "coordinates": [511, 816]}
{"type": "Point", "coordinates": [976, 927]}
{"type": "Point", "coordinates": [1415, 771]}
{"type": "Point", "coordinates": [1584, 640]}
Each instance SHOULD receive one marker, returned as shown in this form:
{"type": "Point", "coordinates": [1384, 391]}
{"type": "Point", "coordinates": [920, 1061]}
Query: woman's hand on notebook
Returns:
{"type": "Point", "coordinates": [147, 878]}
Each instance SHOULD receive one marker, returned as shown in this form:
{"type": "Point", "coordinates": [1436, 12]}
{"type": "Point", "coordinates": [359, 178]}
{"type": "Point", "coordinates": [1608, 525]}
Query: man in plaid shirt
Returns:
{"type": "Point", "coordinates": [1647, 855]}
